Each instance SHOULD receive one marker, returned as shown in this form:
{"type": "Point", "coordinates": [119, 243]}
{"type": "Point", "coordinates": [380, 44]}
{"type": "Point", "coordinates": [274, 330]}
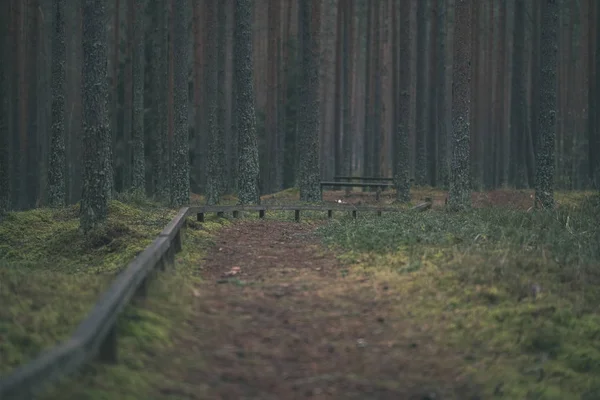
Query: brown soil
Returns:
{"type": "Point", "coordinates": [505, 198]}
{"type": "Point", "coordinates": [279, 317]}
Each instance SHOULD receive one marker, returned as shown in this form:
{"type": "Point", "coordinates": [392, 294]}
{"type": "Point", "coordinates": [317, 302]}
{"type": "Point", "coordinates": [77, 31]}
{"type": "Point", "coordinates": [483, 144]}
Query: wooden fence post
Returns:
{"type": "Point", "coordinates": [297, 215]}
{"type": "Point", "coordinates": [108, 348]}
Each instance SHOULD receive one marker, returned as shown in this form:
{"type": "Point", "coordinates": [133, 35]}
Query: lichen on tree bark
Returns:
{"type": "Point", "coordinates": [180, 172]}
{"type": "Point", "coordinates": [544, 171]}
{"type": "Point", "coordinates": [56, 168]}
{"type": "Point", "coordinates": [309, 173]}
{"type": "Point", "coordinates": [138, 172]}
{"type": "Point", "coordinates": [460, 188]}
{"type": "Point", "coordinates": [246, 117]}
{"type": "Point", "coordinates": [97, 171]}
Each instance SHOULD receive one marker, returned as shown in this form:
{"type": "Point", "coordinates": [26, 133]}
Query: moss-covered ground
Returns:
{"type": "Point", "coordinates": [517, 293]}
{"type": "Point", "coordinates": [503, 295]}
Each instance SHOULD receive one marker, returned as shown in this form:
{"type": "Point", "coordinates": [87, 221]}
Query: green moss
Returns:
{"type": "Point", "coordinates": [51, 274]}
{"type": "Point", "coordinates": [515, 292]}
{"type": "Point", "coordinates": [145, 331]}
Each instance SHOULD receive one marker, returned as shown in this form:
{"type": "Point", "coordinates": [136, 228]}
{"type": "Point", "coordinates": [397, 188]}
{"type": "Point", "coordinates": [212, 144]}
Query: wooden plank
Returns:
{"type": "Point", "coordinates": [354, 178]}
{"type": "Point", "coordinates": [96, 334]}
{"type": "Point", "coordinates": [291, 207]}
{"type": "Point", "coordinates": [175, 224]}
{"type": "Point", "coordinates": [358, 184]}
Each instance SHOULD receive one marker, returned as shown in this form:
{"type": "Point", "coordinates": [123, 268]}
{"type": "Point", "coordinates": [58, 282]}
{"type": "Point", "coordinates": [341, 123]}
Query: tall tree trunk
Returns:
{"type": "Point", "coordinates": [460, 190]}
{"type": "Point", "coordinates": [158, 117]}
{"type": "Point", "coordinates": [402, 87]}
{"type": "Point", "coordinates": [499, 131]}
{"type": "Point", "coordinates": [116, 66]}
{"type": "Point", "coordinates": [180, 169]}
{"type": "Point", "coordinates": [213, 187]}
{"type": "Point", "coordinates": [138, 171]}
{"type": "Point", "coordinates": [544, 176]}
{"type": "Point", "coordinates": [124, 157]}
{"type": "Point", "coordinates": [422, 117]}
{"type": "Point", "coordinates": [221, 96]}
{"type": "Point", "coordinates": [56, 170]}
{"type": "Point", "coordinates": [519, 95]}
{"type": "Point", "coordinates": [338, 109]}
{"type": "Point", "coordinates": [444, 100]}
{"type": "Point", "coordinates": [348, 87]}
{"type": "Point", "coordinates": [4, 110]}
{"type": "Point", "coordinates": [594, 100]}
{"type": "Point", "coordinates": [246, 117]}
{"type": "Point", "coordinates": [309, 168]}
{"type": "Point", "coordinates": [368, 130]}
{"type": "Point", "coordinates": [97, 183]}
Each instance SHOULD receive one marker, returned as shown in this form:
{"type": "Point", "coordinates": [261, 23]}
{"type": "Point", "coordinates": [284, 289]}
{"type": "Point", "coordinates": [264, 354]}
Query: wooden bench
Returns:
{"type": "Point", "coordinates": [372, 185]}
{"type": "Point", "coordinates": [366, 179]}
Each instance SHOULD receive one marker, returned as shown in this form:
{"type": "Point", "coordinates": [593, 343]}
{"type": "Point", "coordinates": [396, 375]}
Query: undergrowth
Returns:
{"type": "Point", "coordinates": [145, 332]}
{"type": "Point", "coordinates": [516, 292]}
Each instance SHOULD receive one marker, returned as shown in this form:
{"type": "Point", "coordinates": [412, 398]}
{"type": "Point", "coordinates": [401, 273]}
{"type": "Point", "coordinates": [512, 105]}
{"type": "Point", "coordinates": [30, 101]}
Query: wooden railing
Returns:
{"type": "Point", "coordinates": [96, 335]}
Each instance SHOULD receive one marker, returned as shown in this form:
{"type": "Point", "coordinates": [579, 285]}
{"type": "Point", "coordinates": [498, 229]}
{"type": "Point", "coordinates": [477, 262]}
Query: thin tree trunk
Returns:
{"type": "Point", "coordinates": [544, 188]}
{"type": "Point", "coordinates": [402, 177]}
{"type": "Point", "coordinates": [246, 117]}
{"type": "Point", "coordinates": [460, 191]}
{"type": "Point", "coordinates": [97, 181]}
{"type": "Point", "coordinates": [56, 170]}
{"type": "Point", "coordinates": [4, 110]}
{"type": "Point", "coordinates": [309, 172]}
{"type": "Point", "coordinates": [180, 168]}
{"type": "Point", "coordinates": [138, 171]}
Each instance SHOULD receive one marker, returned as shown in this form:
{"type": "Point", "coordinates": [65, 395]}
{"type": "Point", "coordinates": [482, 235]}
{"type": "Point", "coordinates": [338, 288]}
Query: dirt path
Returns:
{"type": "Point", "coordinates": [277, 317]}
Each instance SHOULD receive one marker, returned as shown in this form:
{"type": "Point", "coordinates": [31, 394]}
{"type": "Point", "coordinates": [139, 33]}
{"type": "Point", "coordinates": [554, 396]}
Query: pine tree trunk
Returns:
{"type": "Point", "coordinates": [97, 183]}
{"type": "Point", "coordinates": [4, 111]}
{"type": "Point", "coordinates": [246, 117]}
{"type": "Point", "coordinates": [402, 107]}
{"type": "Point", "coordinates": [56, 171]}
{"type": "Point", "coordinates": [309, 169]}
{"type": "Point", "coordinates": [460, 190]}
{"type": "Point", "coordinates": [422, 116]}
{"type": "Point", "coordinates": [213, 183]}
{"type": "Point", "coordinates": [180, 168]}
{"type": "Point", "coordinates": [138, 171]}
{"type": "Point", "coordinates": [544, 176]}
{"type": "Point", "coordinates": [347, 84]}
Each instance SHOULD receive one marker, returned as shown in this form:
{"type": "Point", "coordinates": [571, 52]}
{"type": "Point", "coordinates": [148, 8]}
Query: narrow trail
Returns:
{"type": "Point", "coordinates": [278, 317]}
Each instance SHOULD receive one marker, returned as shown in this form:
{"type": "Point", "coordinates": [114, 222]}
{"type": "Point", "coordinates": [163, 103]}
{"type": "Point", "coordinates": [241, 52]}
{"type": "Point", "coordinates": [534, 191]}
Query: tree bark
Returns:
{"type": "Point", "coordinates": [97, 182]}
{"type": "Point", "coordinates": [460, 190]}
{"type": "Point", "coordinates": [180, 169]}
{"type": "Point", "coordinates": [544, 176]}
{"type": "Point", "coordinates": [56, 170]}
{"type": "Point", "coordinates": [138, 170]}
{"type": "Point", "coordinates": [246, 117]}
{"type": "Point", "coordinates": [309, 169]}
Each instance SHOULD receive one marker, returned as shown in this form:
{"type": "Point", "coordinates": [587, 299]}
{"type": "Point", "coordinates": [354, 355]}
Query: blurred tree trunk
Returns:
{"type": "Point", "coordinates": [403, 98]}
{"type": "Point", "coordinates": [309, 166]}
{"type": "Point", "coordinates": [4, 109]}
{"type": "Point", "coordinates": [138, 168]}
{"type": "Point", "coordinates": [347, 88]}
{"type": "Point", "coordinates": [213, 188]}
{"type": "Point", "coordinates": [246, 116]}
{"type": "Point", "coordinates": [544, 182]}
{"type": "Point", "coordinates": [180, 169]}
{"type": "Point", "coordinates": [56, 170]}
{"type": "Point", "coordinates": [422, 117]}
{"type": "Point", "coordinates": [460, 190]}
{"type": "Point", "coordinates": [97, 183]}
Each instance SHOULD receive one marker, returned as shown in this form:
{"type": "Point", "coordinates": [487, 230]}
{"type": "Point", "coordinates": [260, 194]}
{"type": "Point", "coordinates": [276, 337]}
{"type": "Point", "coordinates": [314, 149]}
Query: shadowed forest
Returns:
{"type": "Point", "coordinates": [441, 159]}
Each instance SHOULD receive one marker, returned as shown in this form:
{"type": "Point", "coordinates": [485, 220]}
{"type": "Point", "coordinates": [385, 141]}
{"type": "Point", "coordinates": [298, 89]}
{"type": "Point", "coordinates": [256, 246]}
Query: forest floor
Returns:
{"type": "Point", "coordinates": [499, 302]}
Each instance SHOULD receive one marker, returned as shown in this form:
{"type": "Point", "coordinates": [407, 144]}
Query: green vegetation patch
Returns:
{"type": "Point", "coordinates": [51, 274]}
{"type": "Point", "coordinates": [145, 331]}
{"type": "Point", "coordinates": [515, 292]}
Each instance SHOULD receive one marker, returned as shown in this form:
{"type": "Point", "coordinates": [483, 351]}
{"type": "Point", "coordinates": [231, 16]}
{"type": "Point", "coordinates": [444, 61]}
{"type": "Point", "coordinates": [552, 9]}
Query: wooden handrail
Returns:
{"type": "Point", "coordinates": [96, 334]}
